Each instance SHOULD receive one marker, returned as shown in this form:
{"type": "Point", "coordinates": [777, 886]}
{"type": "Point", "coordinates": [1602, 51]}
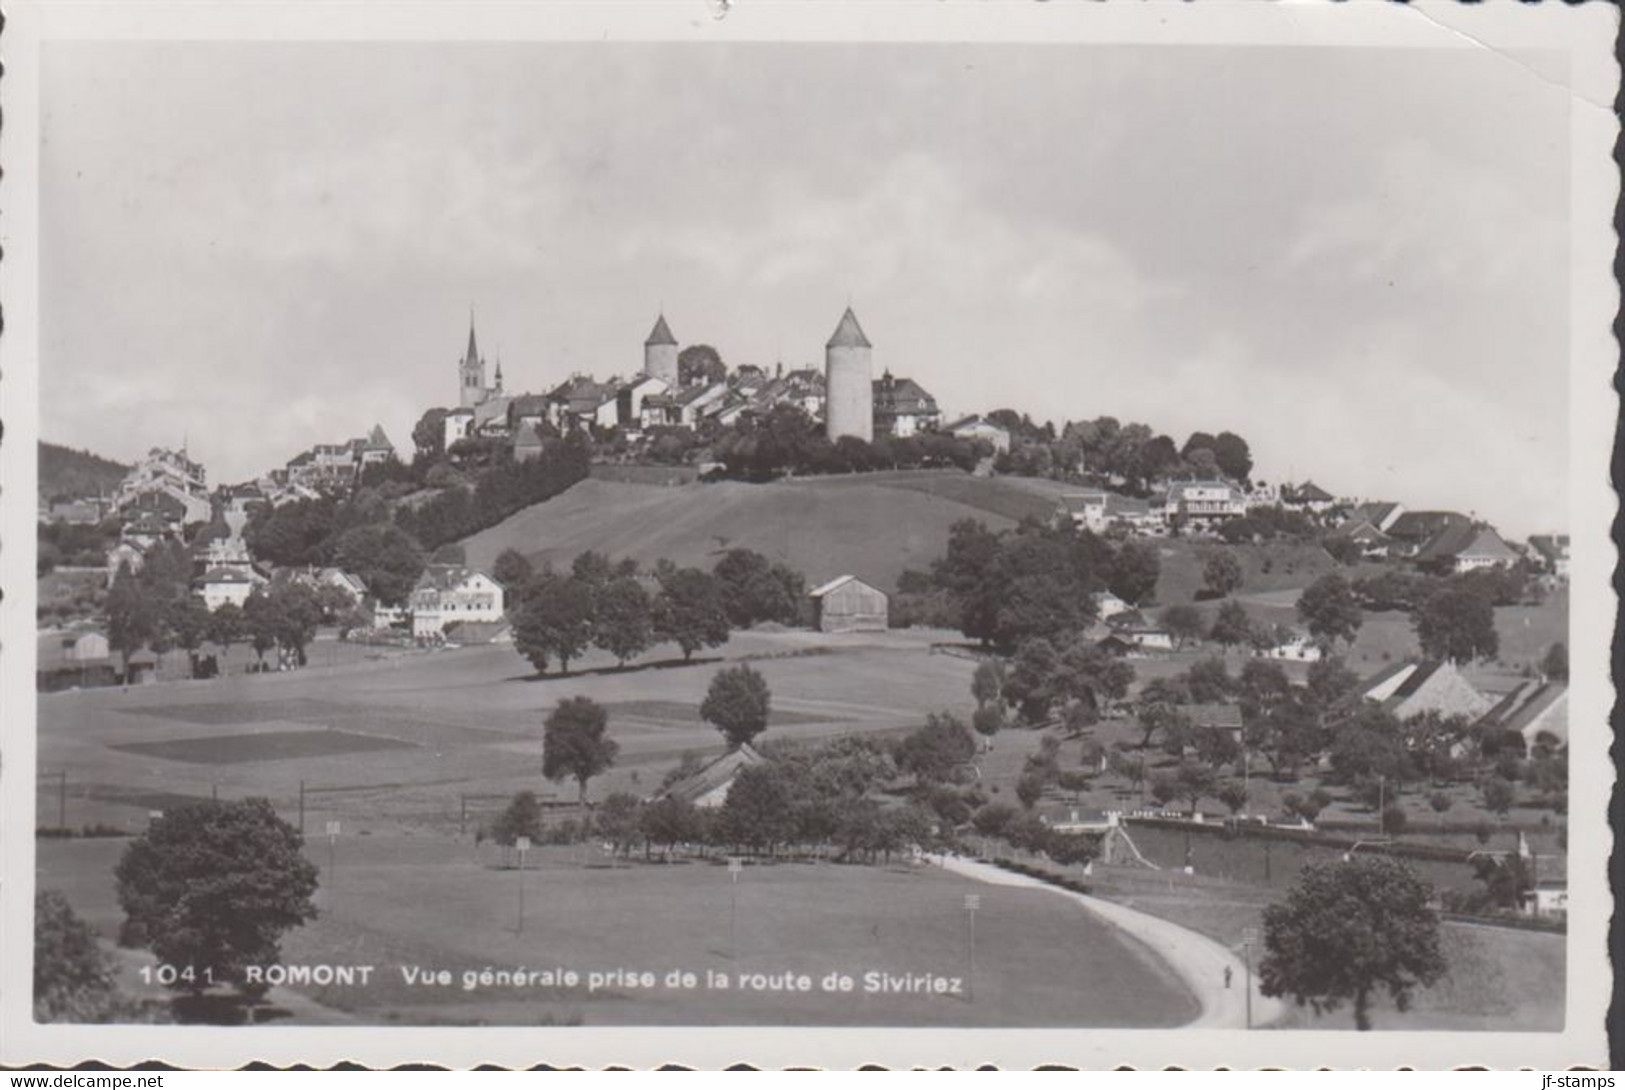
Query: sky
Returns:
{"type": "Point", "coordinates": [1357, 259]}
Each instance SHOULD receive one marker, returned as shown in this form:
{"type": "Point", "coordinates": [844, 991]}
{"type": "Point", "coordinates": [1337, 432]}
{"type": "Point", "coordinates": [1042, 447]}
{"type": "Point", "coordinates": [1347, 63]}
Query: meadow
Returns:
{"type": "Point", "coordinates": [427, 904]}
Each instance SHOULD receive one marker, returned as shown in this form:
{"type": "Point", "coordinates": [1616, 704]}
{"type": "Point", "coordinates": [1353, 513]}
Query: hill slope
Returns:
{"type": "Point", "coordinates": [64, 471]}
{"type": "Point", "coordinates": [872, 525]}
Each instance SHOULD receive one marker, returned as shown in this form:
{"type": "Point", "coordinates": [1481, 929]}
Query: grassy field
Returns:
{"type": "Point", "coordinates": [400, 741]}
{"type": "Point", "coordinates": [873, 525]}
{"type": "Point", "coordinates": [431, 903]}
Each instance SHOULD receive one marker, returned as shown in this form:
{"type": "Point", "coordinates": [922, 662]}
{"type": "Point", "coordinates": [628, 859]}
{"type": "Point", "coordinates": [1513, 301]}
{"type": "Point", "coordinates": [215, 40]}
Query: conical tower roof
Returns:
{"type": "Point", "coordinates": [473, 349]}
{"type": "Point", "coordinates": [849, 334]}
{"type": "Point", "coordinates": [661, 333]}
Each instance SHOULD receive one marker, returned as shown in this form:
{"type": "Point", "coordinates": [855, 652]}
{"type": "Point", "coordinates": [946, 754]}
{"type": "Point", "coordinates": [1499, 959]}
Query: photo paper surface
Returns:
{"type": "Point", "coordinates": [639, 534]}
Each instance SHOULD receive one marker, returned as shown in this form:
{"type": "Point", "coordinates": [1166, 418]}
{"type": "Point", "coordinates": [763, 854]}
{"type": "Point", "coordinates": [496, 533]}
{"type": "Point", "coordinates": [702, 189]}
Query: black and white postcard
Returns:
{"type": "Point", "coordinates": [900, 533]}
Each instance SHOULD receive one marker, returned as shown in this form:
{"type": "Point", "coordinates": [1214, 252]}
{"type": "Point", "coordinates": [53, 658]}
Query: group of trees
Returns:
{"type": "Point", "coordinates": [1036, 581]}
{"type": "Point", "coordinates": [1110, 451]}
{"type": "Point", "coordinates": [498, 491]}
{"type": "Point", "coordinates": [1454, 615]}
{"type": "Point", "coordinates": [609, 605]}
{"type": "Point", "coordinates": [1367, 749]}
{"type": "Point", "coordinates": [787, 440]}
{"type": "Point", "coordinates": [155, 609]}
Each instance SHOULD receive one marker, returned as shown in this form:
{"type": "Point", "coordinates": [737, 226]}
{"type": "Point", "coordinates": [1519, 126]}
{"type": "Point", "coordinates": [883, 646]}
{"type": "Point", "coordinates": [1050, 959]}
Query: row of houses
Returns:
{"type": "Point", "coordinates": [324, 468]}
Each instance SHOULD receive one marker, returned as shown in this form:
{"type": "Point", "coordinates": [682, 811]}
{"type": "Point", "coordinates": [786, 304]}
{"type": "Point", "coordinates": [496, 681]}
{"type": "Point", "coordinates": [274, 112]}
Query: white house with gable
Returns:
{"type": "Point", "coordinates": [448, 593]}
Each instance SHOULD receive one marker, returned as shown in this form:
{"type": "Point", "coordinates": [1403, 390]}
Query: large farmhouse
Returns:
{"type": "Point", "coordinates": [450, 593]}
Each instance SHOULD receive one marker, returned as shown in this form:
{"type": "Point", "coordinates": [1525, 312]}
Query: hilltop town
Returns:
{"type": "Point", "coordinates": [805, 614]}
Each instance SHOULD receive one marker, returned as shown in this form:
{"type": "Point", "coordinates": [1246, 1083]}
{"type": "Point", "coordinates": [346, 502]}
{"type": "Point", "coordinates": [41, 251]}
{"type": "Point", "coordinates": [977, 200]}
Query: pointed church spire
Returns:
{"type": "Point", "coordinates": [473, 349]}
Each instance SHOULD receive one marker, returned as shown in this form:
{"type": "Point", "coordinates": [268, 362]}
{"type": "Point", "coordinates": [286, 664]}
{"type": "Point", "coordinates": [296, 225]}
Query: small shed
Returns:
{"type": "Point", "coordinates": [848, 604]}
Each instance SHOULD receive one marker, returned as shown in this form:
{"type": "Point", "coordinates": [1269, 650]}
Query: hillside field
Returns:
{"type": "Point", "coordinates": [871, 525]}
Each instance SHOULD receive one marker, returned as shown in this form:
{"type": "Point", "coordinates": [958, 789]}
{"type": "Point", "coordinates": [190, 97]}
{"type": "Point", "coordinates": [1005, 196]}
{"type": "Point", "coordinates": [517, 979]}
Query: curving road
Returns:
{"type": "Point", "coordinates": [1198, 960]}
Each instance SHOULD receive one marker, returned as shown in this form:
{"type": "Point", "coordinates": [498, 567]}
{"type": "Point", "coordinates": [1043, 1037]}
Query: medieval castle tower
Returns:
{"type": "Point", "coordinates": [660, 353]}
{"type": "Point", "coordinates": [849, 382]}
{"type": "Point", "coordinates": [472, 390]}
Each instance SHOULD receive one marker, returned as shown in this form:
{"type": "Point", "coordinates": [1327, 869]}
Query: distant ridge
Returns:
{"type": "Point", "coordinates": [65, 472]}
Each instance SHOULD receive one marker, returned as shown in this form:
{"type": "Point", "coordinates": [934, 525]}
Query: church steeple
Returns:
{"type": "Point", "coordinates": [473, 349]}
{"type": "Point", "coordinates": [471, 372]}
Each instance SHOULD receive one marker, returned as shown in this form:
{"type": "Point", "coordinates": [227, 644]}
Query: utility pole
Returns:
{"type": "Point", "coordinates": [973, 901]}
{"type": "Point", "coordinates": [332, 856]}
{"type": "Point", "coordinates": [1248, 937]}
{"type": "Point", "coordinates": [523, 844]}
{"type": "Point", "coordinates": [734, 867]}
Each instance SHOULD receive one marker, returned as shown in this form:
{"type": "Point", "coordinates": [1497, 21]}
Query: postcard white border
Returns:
{"type": "Point", "coordinates": [1583, 34]}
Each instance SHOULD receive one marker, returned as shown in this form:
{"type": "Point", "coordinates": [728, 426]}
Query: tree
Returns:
{"type": "Point", "coordinates": [1030, 688]}
{"type": "Point", "coordinates": [1234, 459]}
{"type": "Point", "coordinates": [1135, 571]}
{"type": "Point", "coordinates": [1195, 782]}
{"type": "Point", "coordinates": [228, 626]}
{"type": "Point", "coordinates": [669, 821]}
{"type": "Point", "coordinates": [1330, 610]}
{"type": "Point", "coordinates": [130, 612]}
{"type": "Point", "coordinates": [988, 719]}
{"type": "Point", "coordinates": [700, 364]}
{"type": "Point", "coordinates": [966, 572]}
{"type": "Point", "coordinates": [513, 570]}
{"type": "Point", "coordinates": [1221, 574]}
{"type": "Point", "coordinates": [756, 812]}
{"type": "Point", "coordinates": [987, 682]}
{"type": "Point", "coordinates": [1184, 623]}
{"type": "Point", "coordinates": [189, 621]}
{"type": "Point", "coordinates": [689, 611]}
{"type": "Point", "coordinates": [1457, 623]}
{"type": "Point", "coordinates": [623, 625]}
{"type": "Point", "coordinates": [213, 886]}
{"type": "Point", "coordinates": [1231, 626]}
{"type": "Point", "coordinates": [73, 979]}
{"type": "Point", "coordinates": [1348, 930]}
{"type": "Point", "coordinates": [261, 616]}
{"type": "Point", "coordinates": [937, 750]}
{"type": "Point", "coordinates": [1209, 682]}
{"type": "Point", "coordinates": [1499, 795]}
{"type": "Point", "coordinates": [620, 821]}
{"type": "Point", "coordinates": [297, 611]}
{"type": "Point", "coordinates": [738, 704]}
{"type": "Point", "coordinates": [1555, 663]}
{"type": "Point", "coordinates": [1234, 796]}
{"type": "Point", "coordinates": [429, 435]}
{"type": "Point", "coordinates": [755, 589]}
{"type": "Point", "coordinates": [385, 558]}
{"type": "Point", "coordinates": [523, 817]}
{"type": "Point", "coordinates": [556, 621]}
{"type": "Point", "coordinates": [574, 744]}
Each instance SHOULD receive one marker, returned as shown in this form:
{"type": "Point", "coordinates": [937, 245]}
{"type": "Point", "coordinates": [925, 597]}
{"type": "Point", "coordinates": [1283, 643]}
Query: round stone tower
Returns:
{"type": "Point", "coordinates": [849, 390]}
{"type": "Point", "coordinates": [660, 353]}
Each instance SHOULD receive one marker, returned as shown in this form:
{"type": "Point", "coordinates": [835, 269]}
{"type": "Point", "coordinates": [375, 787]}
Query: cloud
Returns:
{"type": "Point", "coordinates": [1430, 220]}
